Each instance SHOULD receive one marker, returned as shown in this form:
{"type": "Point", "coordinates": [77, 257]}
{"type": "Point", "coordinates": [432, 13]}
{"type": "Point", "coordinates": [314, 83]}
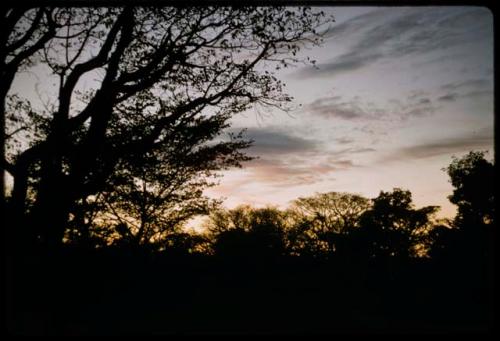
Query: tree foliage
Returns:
{"type": "Point", "coordinates": [393, 227]}
{"type": "Point", "coordinates": [248, 232]}
{"type": "Point", "coordinates": [320, 222]}
{"type": "Point", "coordinates": [470, 240]}
{"type": "Point", "coordinates": [151, 71]}
{"type": "Point", "coordinates": [472, 177]}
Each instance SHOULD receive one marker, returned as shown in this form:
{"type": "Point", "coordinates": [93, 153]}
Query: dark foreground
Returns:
{"type": "Point", "coordinates": [124, 291]}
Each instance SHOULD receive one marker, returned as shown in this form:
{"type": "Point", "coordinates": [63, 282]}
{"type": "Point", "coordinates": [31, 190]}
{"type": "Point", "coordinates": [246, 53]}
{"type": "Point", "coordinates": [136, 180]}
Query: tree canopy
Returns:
{"type": "Point", "coordinates": [472, 177]}
{"type": "Point", "coordinates": [393, 227]}
{"type": "Point", "coordinates": [156, 74]}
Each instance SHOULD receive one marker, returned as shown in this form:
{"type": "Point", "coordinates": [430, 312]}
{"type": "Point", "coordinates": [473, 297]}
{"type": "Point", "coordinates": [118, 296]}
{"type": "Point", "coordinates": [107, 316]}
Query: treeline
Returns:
{"type": "Point", "coordinates": [326, 225]}
{"type": "Point", "coordinates": [330, 263]}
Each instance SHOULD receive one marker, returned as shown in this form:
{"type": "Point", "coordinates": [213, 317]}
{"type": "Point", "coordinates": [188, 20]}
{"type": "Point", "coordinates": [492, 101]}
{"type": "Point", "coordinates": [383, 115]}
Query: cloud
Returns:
{"type": "Point", "coordinates": [283, 173]}
{"type": "Point", "coordinates": [482, 83]}
{"type": "Point", "coordinates": [416, 104]}
{"type": "Point", "coordinates": [344, 63]}
{"type": "Point", "coordinates": [344, 140]}
{"type": "Point", "coordinates": [334, 107]}
{"type": "Point", "coordinates": [349, 151]}
{"type": "Point", "coordinates": [450, 97]}
{"type": "Point", "coordinates": [482, 139]}
{"type": "Point", "coordinates": [271, 141]}
{"type": "Point", "coordinates": [299, 169]}
{"type": "Point", "coordinates": [285, 159]}
{"type": "Point", "coordinates": [471, 88]}
{"type": "Point", "coordinates": [402, 32]}
{"type": "Point", "coordinates": [352, 25]}
{"type": "Point", "coordinates": [363, 150]}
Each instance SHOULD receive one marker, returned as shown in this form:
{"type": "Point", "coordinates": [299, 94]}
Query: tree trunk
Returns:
{"type": "Point", "coordinates": [51, 210]}
{"type": "Point", "coordinates": [18, 232]}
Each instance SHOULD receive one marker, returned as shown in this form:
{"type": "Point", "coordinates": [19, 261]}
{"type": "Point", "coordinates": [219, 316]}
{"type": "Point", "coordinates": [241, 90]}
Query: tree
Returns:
{"type": "Point", "coordinates": [18, 48]}
{"type": "Point", "coordinates": [153, 195]}
{"type": "Point", "coordinates": [320, 222]}
{"type": "Point", "coordinates": [472, 177]}
{"type": "Point", "coordinates": [244, 231]}
{"type": "Point", "coordinates": [156, 68]}
{"type": "Point", "coordinates": [470, 238]}
{"type": "Point", "coordinates": [392, 227]}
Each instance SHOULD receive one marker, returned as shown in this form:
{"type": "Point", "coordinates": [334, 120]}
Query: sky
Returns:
{"type": "Point", "coordinates": [396, 93]}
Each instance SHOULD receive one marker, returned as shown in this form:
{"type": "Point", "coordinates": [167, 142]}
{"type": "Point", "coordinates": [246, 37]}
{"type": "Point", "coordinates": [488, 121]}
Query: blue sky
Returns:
{"type": "Point", "coordinates": [397, 92]}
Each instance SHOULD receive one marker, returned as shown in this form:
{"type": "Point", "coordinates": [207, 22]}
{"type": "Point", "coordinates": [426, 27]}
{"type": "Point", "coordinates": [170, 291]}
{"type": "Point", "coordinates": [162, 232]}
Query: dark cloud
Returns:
{"type": "Point", "coordinates": [352, 25]}
{"type": "Point", "coordinates": [402, 32]}
{"type": "Point", "coordinates": [415, 105]}
{"type": "Point", "coordinates": [471, 88]}
{"type": "Point", "coordinates": [482, 83]}
{"type": "Point", "coordinates": [284, 159]}
{"type": "Point", "coordinates": [424, 101]}
{"type": "Point", "coordinates": [269, 141]}
{"type": "Point", "coordinates": [479, 93]}
{"type": "Point", "coordinates": [344, 63]}
{"type": "Point", "coordinates": [343, 164]}
{"type": "Point", "coordinates": [335, 155]}
{"type": "Point", "coordinates": [476, 140]}
{"type": "Point", "coordinates": [344, 140]}
{"type": "Point", "coordinates": [418, 111]}
{"type": "Point", "coordinates": [450, 97]}
{"type": "Point", "coordinates": [335, 107]}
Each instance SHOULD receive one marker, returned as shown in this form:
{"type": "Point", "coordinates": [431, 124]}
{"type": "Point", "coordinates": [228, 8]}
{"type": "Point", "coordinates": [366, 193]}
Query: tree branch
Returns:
{"type": "Point", "coordinates": [17, 44]}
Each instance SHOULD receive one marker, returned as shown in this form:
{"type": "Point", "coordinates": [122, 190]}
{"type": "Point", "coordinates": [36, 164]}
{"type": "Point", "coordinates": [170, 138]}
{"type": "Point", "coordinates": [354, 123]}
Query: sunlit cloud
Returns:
{"type": "Point", "coordinates": [295, 171]}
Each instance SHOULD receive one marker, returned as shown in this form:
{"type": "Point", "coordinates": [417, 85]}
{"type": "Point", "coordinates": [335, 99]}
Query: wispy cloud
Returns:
{"type": "Point", "coordinates": [470, 88]}
{"type": "Point", "coordinates": [482, 139]}
{"type": "Point", "coordinates": [402, 32]}
{"type": "Point", "coordinates": [336, 107]}
{"type": "Point", "coordinates": [346, 62]}
{"type": "Point", "coordinates": [449, 97]}
{"type": "Point", "coordinates": [344, 140]}
{"type": "Point", "coordinates": [481, 83]}
{"type": "Point", "coordinates": [416, 104]}
{"type": "Point", "coordinates": [284, 159]}
{"type": "Point", "coordinates": [349, 151]}
{"type": "Point", "coordinates": [288, 172]}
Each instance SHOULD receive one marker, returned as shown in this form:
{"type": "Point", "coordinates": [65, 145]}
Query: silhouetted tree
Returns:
{"type": "Point", "coordinates": [472, 177]}
{"type": "Point", "coordinates": [155, 68]}
{"type": "Point", "coordinates": [392, 227]}
{"type": "Point", "coordinates": [153, 195]}
{"type": "Point", "coordinates": [325, 218]}
{"type": "Point", "coordinates": [470, 237]}
{"type": "Point", "coordinates": [248, 232]}
{"type": "Point", "coordinates": [24, 32]}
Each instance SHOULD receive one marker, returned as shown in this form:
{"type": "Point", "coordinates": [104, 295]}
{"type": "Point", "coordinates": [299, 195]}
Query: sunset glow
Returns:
{"type": "Point", "coordinates": [397, 92]}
